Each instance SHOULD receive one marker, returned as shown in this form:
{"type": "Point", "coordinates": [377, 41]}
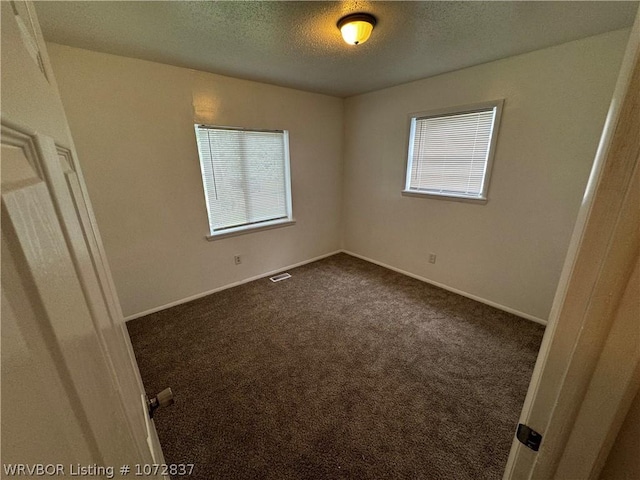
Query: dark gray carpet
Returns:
{"type": "Point", "coordinates": [345, 370]}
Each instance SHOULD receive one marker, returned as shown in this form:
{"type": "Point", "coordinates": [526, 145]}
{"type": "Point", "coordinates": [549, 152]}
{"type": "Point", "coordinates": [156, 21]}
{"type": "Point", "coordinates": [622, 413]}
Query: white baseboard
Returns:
{"type": "Point", "coordinates": [362, 257]}
{"type": "Point", "coordinates": [224, 287]}
{"type": "Point", "coordinates": [451, 289]}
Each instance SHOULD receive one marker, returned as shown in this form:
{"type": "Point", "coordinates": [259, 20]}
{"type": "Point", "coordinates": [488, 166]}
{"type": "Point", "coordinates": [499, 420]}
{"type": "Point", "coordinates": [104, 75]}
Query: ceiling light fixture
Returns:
{"type": "Point", "coordinates": [357, 27]}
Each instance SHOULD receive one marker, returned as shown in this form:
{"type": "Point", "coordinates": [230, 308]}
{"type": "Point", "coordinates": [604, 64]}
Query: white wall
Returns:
{"type": "Point", "coordinates": [511, 250]}
{"type": "Point", "coordinates": [132, 123]}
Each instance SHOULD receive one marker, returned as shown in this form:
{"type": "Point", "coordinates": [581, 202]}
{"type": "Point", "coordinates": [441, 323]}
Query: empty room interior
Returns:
{"type": "Point", "coordinates": [339, 232]}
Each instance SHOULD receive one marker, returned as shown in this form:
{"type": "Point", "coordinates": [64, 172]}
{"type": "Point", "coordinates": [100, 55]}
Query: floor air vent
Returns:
{"type": "Point", "coordinates": [281, 276]}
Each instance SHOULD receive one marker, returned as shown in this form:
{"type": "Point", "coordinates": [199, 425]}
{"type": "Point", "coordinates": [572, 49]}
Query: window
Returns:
{"type": "Point", "coordinates": [246, 178]}
{"type": "Point", "coordinates": [450, 152]}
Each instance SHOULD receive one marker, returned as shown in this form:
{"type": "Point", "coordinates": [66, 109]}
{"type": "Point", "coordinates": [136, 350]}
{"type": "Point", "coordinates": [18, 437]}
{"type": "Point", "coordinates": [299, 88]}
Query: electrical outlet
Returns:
{"type": "Point", "coordinates": [237, 260]}
{"type": "Point", "coordinates": [432, 258]}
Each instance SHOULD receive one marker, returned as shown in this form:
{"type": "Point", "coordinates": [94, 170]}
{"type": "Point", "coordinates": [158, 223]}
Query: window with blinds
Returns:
{"type": "Point", "coordinates": [246, 177]}
{"type": "Point", "coordinates": [450, 152]}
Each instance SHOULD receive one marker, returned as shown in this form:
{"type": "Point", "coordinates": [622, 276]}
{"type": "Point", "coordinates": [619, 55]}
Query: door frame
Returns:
{"type": "Point", "coordinates": [581, 389]}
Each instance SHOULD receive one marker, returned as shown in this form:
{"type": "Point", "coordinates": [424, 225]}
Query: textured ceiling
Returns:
{"type": "Point", "coordinates": [297, 44]}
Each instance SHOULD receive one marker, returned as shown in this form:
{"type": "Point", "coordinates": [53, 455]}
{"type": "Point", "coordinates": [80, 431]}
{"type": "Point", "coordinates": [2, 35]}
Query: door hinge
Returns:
{"type": "Point", "coordinates": [529, 437]}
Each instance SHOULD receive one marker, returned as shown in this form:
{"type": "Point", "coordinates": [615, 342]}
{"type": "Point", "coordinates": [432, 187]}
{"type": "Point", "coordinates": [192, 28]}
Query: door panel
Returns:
{"type": "Point", "coordinates": [43, 286]}
{"type": "Point", "coordinates": [71, 390]}
{"type": "Point", "coordinates": [35, 420]}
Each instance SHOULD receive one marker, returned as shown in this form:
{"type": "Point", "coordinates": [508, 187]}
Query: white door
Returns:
{"type": "Point", "coordinates": [71, 390]}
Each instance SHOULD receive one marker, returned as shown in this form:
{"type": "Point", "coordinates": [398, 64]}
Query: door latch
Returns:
{"type": "Point", "coordinates": [162, 399]}
{"type": "Point", "coordinates": [529, 437]}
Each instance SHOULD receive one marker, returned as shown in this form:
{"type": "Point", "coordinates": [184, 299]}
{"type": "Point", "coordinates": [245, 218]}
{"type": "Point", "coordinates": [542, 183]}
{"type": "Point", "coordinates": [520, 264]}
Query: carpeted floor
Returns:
{"type": "Point", "coordinates": [345, 370]}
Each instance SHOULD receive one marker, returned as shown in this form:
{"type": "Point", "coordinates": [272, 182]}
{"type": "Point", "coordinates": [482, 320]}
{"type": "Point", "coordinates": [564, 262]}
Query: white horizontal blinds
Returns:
{"type": "Point", "coordinates": [450, 153]}
{"type": "Point", "coordinates": [244, 176]}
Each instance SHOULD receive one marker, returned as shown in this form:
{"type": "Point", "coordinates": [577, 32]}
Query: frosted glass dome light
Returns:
{"type": "Point", "coordinates": [356, 28]}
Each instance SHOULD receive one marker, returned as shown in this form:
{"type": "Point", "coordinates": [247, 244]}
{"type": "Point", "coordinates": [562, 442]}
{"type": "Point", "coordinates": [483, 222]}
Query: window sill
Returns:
{"type": "Point", "coordinates": [444, 196]}
{"type": "Point", "coordinates": [250, 229]}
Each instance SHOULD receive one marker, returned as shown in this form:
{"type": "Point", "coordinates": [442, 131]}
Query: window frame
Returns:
{"type": "Point", "coordinates": [255, 227]}
{"type": "Point", "coordinates": [451, 111]}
